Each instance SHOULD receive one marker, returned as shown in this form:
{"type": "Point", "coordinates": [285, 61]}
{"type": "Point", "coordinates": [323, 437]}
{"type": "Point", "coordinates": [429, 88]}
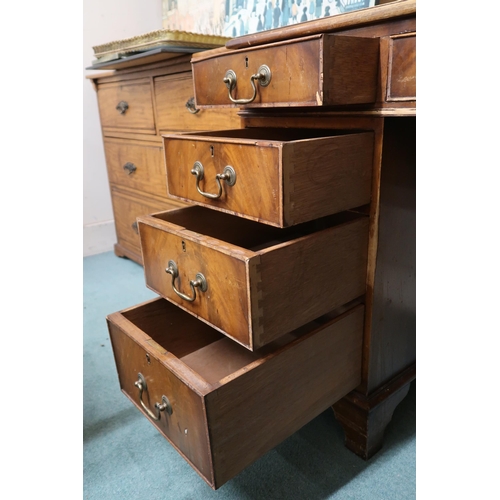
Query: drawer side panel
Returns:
{"type": "Point", "coordinates": [351, 69]}
{"type": "Point", "coordinates": [311, 277]}
{"type": "Point", "coordinates": [256, 411]}
{"type": "Point", "coordinates": [327, 176]}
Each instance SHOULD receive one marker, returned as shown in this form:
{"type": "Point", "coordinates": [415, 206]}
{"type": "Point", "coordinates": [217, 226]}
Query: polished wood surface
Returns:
{"type": "Point", "coordinates": [137, 95]}
{"type": "Point", "coordinates": [249, 271]}
{"type": "Point", "coordinates": [283, 176]}
{"type": "Point", "coordinates": [137, 165]}
{"type": "Point", "coordinates": [218, 389]}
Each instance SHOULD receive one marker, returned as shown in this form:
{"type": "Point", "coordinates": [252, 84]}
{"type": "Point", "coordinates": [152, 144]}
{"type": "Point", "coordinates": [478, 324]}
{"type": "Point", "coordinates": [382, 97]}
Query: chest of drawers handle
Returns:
{"type": "Point", "coordinates": [263, 76]}
{"type": "Point", "coordinates": [159, 407]}
{"type": "Point", "coordinates": [129, 167]}
{"type": "Point", "coordinates": [199, 282]}
{"type": "Point", "coordinates": [122, 107]}
{"type": "Point", "coordinates": [191, 107]}
{"type": "Point", "coordinates": [228, 175]}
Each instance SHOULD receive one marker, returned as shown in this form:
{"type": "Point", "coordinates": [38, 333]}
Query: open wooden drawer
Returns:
{"type": "Point", "coordinates": [317, 70]}
{"type": "Point", "coordinates": [253, 282]}
{"type": "Point", "coordinates": [277, 176]}
{"type": "Point", "coordinates": [220, 405]}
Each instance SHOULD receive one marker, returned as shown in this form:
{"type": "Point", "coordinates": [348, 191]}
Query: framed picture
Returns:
{"type": "Point", "coordinates": [234, 18]}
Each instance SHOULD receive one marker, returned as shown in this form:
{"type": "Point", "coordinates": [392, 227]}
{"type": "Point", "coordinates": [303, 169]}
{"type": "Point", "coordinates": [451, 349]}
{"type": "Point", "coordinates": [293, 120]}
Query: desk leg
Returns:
{"type": "Point", "coordinates": [365, 418]}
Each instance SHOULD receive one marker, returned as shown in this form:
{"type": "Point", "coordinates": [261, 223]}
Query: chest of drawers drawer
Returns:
{"type": "Point", "coordinates": [276, 176]}
{"type": "Point", "coordinates": [320, 70]}
{"type": "Point", "coordinates": [127, 106]}
{"type": "Point", "coordinates": [176, 109]}
{"type": "Point", "coordinates": [130, 207]}
{"type": "Point", "coordinates": [402, 71]}
{"type": "Point", "coordinates": [136, 165]}
{"type": "Point", "coordinates": [244, 278]}
{"type": "Point", "coordinates": [221, 406]}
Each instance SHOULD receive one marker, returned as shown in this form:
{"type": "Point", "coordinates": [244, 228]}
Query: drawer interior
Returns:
{"type": "Point", "coordinates": [210, 354]}
{"type": "Point", "coordinates": [246, 233]}
{"type": "Point", "coordinates": [273, 134]}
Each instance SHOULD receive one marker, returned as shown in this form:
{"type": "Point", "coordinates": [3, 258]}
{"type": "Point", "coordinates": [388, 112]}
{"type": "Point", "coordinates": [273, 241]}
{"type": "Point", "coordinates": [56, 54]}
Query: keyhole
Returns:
{"type": "Point", "coordinates": [183, 246]}
{"type": "Point", "coordinates": [246, 62]}
{"type": "Point", "coordinates": [148, 359]}
{"type": "Point", "coordinates": [212, 151]}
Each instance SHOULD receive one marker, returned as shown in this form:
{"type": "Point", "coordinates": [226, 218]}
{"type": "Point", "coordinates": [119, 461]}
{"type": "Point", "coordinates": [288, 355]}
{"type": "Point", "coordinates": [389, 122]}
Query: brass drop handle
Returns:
{"type": "Point", "coordinates": [122, 106]}
{"type": "Point", "coordinates": [263, 76]}
{"type": "Point", "coordinates": [159, 407]}
{"type": "Point", "coordinates": [191, 107]}
{"type": "Point", "coordinates": [199, 282]}
{"type": "Point", "coordinates": [228, 176]}
{"type": "Point", "coordinates": [129, 167]}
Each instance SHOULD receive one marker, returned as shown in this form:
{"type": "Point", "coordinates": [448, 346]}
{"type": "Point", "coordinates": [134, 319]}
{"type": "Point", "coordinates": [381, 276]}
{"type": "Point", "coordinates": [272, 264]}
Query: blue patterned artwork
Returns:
{"type": "Point", "coordinates": [234, 18]}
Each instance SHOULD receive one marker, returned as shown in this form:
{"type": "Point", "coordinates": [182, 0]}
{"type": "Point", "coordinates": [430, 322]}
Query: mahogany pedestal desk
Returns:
{"type": "Point", "coordinates": [288, 283]}
{"type": "Point", "coordinates": [388, 107]}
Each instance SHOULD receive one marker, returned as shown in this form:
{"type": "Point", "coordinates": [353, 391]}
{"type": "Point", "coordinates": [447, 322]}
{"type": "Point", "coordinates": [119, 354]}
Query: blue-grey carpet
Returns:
{"type": "Point", "coordinates": [125, 458]}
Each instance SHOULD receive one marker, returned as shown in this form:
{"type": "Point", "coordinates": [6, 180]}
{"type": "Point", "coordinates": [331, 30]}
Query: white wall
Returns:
{"type": "Point", "coordinates": [105, 21]}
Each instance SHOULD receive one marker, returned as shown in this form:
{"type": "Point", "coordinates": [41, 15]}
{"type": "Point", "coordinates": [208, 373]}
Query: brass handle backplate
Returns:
{"type": "Point", "coordinates": [199, 282]}
{"type": "Point", "coordinates": [228, 176]}
{"type": "Point", "coordinates": [129, 167]}
{"type": "Point", "coordinates": [263, 76]}
{"type": "Point", "coordinates": [191, 107]}
{"type": "Point", "coordinates": [159, 407]}
{"type": "Point", "coordinates": [122, 106]}
{"type": "Point", "coordinates": [135, 227]}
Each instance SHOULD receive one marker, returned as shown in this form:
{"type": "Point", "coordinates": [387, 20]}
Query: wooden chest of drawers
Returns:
{"type": "Point", "coordinates": [137, 105]}
{"type": "Point", "coordinates": [273, 308]}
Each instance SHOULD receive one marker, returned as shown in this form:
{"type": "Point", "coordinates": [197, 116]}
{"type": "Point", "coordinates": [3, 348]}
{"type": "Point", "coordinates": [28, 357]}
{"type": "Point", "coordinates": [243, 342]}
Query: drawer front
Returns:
{"type": "Point", "coordinates": [136, 166]}
{"type": "Point", "coordinates": [226, 406]}
{"type": "Point", "coordinates": [127, 106]}
{"type": "Point", "coordinates": [185, 427]}
{"type": "Point", "coordinates": [126, 209]}
{"type": "Point", "coordinates": [225, 276]}
{"type": "Point", "coordinates": [176, 109]}
{"type": "Point", "coordinates": [250, 278]}
{"type": "Point", "coordinates": [312, 71]}
{"type": "Point", "coordinates": [273, 181]}
{"type": "Point", "coordinates": [402, 79]}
